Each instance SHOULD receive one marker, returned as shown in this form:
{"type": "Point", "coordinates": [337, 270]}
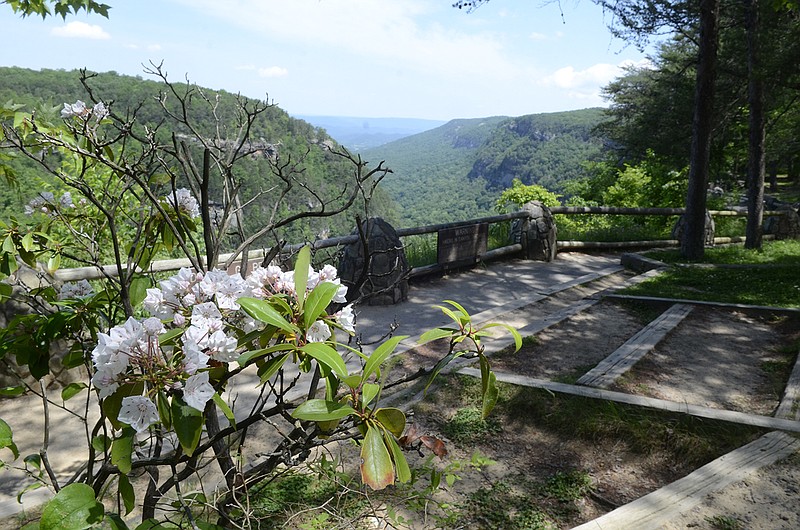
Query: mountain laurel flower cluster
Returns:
{"type": "Point", "coordinates": [182, 200]}
{"type": "Point", "coordinates": [79, 109]}
{"type": "Point", "coordinates": [45, 202]}
{"type": "Point", "coordinates": [196, 325]}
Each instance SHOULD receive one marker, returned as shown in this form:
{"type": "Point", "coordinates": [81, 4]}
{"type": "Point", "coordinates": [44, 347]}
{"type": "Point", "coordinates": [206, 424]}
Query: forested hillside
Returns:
{"type": "Point", "coordinates": [458, 170]}
{"type": "Point", "coordinates": [275, 136]}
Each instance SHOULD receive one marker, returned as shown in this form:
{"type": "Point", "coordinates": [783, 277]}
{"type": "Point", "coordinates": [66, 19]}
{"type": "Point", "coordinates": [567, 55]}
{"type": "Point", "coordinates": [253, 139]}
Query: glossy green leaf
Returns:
{"type": "Point", "coordinates": [326, 355]}
{"type": "Point", "coordinates": [73, 508]}
{"type": "Point", "coordinates": [72, 390]}
{"type": "Point", "coordinates": [318, 300]}
{"type": "Point", "coordinates": [226, 410]}
{"type": "Point", "coordinates": [489, 395]}
{"type": "Point", "coordinates": [188, 423]}
{"type": "Point", "coordinates": [138, 289]}
{"type": "Point", "coordinates": [169, 336]}
{"type": "Point", "coordinates": [122, 450]}
{"type": "Point", "coordinates": [301, 275]}
{"type": "Point", "coordinates": [399, 458]}
{"type": "Point", "coordinates": [248, 356]}
{"type": "Point", "coordinates": [267, 370]}
{"type": "Point", "coordinates": [368, 392]}
{"type": "Point", "coordinates": [7, 440]}
{"type": "Point", "coordinates": [127, 493]}
{"type": "Point", "coordinates": [377, 470]}
{"type": "Point", "coordinates": [263, 312]}
{"type": "Point", "coordinates": [164, 410]}
{"type": "Point", "coordinates": [12, 391]}
{"type": "Point", "coordinates": [435, 334]}
{"type": "Point", "coordinates": [115, 522]}
{"type": "Point", "coordinates": [381, 353]}
{"type": "Point", "coordinates": [322, 410]}
{"type": "Point", "coordinates": [511, 329]}
{"type": "Point", "coordinates": [102, 443]}
{"type": "Point", "coordinates": [6, 291]}
{"type": "Point", "coordinates": [394, 420]}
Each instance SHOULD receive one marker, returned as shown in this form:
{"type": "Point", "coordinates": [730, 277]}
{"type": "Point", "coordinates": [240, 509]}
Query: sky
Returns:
{"type": "Point", "coordinates": [365, 58]}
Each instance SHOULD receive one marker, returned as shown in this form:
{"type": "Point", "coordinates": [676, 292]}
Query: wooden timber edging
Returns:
{"type": "Point", "coordinates": [791, 395]}
{"type": "Point", "coordinates": [722, 305]}
{"type": "Point", "coordinates": [743, 418]}
{"type": "Point", "coordinates": [659, 507]}
{"type": "Point", "coordinates": [620, 361]}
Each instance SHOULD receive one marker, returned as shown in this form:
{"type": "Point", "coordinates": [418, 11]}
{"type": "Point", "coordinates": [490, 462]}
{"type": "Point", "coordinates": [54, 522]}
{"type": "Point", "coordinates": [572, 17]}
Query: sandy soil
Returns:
{"type": "Point", "coordinates": [717, 358]}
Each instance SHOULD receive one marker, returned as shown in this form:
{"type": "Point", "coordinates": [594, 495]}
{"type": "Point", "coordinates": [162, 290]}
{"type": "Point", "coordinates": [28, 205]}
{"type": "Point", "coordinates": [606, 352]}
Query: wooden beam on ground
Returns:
{"type": "Point", "coordinates": [731, 416]}
{"type": "Point", "coordinates": [661, 506]}
{"type": "Point", "coordinates": [705, 303]}
{"type": "Point", "coordinates": [791, 395]}
{"type": "Point", "coordinates": [612, 367]}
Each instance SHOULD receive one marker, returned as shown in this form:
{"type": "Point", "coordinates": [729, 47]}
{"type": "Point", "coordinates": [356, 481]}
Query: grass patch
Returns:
{"type": "Point", "coordinates": [467, 426]}
{"type": "Point", "coordinates": [778, 287]}
{"type": "Point", "coordinates": [785, 252]}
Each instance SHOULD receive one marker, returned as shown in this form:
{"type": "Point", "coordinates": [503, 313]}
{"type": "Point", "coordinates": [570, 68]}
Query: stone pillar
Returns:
{"type": "Point", "coordinates": [537, 232]}
{"type": "Point", "coordinates": [708, 233]}
{"type": "Point", "coordinates": [386, 278]}
{"type": "Point", "coordinates": [786, 226]}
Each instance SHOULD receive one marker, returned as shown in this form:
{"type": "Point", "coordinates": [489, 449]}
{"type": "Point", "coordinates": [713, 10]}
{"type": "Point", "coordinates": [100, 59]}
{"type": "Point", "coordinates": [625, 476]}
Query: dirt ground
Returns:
{"type": "Point", "coordinates": [716, 357]}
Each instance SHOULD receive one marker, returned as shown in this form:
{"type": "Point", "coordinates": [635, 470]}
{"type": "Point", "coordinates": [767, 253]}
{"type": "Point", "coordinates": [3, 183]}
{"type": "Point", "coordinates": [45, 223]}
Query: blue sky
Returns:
{"type": "Point", "coordinates": [370, 58]}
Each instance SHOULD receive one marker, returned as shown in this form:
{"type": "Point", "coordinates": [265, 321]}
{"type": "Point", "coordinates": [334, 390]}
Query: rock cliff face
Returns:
{"type": "Point", "coordinates": [544, 149]}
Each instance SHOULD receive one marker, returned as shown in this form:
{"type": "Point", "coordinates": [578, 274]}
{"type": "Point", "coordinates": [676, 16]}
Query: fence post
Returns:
{"type": "Point", "coordinates": [536, 232]}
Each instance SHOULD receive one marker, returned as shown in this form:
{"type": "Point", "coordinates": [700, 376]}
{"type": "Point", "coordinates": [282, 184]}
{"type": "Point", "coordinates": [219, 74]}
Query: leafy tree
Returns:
{"type": "Point", "coordinates": [158, 383]}
{"type": "Point", "coordinates": [62, 8]}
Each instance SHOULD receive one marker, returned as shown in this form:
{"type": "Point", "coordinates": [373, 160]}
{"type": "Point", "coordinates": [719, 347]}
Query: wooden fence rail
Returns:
{"type": "Point", "coordinates": [93, 273]}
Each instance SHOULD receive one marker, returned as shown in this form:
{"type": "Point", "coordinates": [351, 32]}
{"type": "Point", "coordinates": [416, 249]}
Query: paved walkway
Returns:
{"type": "Point", "coordinates": [493, 287]}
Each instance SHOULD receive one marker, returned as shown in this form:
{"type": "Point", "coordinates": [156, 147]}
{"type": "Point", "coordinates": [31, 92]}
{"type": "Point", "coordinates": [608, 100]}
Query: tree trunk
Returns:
{"type": "Point", "coordinates": [692, 244]}
{"type": "Point", "coordinates": [755, 151]}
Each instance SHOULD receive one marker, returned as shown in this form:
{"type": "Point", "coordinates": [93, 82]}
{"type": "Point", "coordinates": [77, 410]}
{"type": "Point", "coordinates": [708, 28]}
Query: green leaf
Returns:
{"type": "Point", "coordinates": [394, 420]}
{"type": "Point", "coordinates": [226, 410]}
{"type": "Point", "coordinates": [53, 263]}
{"type": "Point", "coordinates": [322, 410]}
{"type": "Point", "coordinates": [6, 291]}
{"type": "Point", "coordinates": [318, 300]}
{"type": "Point", "coordinates": [73, 508]}
{"type": "Point", "coordinates": [326, 355]}
{"type": "Point", "coordinates": [368, 393]}
{"type": "Point", "coordinates": [377, 471]}
{"type": "Point", "coordinates": [248, 356]}
{"type": "Point", "coordinates": [301, 267]}
{"type": "Point", "coordinates": [72, 390]}
{"type": "Point", "coordinates": [138, 289]}
{"type": "Point", "coordinates": [400, 462]}
{"type": "Point", "coordinates": [101, 443]}
{"type": "Point", "coordinates": [263, 312]}
{"type": "Point", "coordinates": [511, 329]}
{"type": "Point", "coordinates": [489, 395]}
{"type": "Point", "coordinates": [435, 334]}
{"type": "Point", "coordinates": [271, 367]}
{"type": "Point", "coordinates": [188, 423]}
{"type": "Point", "coordinates": [122, 450]}
{"type": "Point", "coordinates": [27, 242]}
{"type": "Point", "coordinates": [127, 493]}
{"type": "Point", "coordinates": [381, 353]}
{"type": "Point", "coordinates": [164, 411]}
{"type": "Point", "coordinates": [12, 391]}
{"type": "Point", "coordinates": [6, 439]}
{"type": "Point", "coordinates": [74, 357]}
{"type": "Point", "coordinates": [169, 336]}
{"type": "Point", "coordinates": [115, 522]}
{"type": "Point", "coordinates": [443, 362]}
{"type": "Point", "coordinates": [151, 524]}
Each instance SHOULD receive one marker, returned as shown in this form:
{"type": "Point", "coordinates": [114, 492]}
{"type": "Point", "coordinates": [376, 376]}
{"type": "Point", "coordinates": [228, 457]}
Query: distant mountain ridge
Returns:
{"type": "Point", "coordinates": [457, 171]}
{"type": "Point", "coordinates": [358, 134]}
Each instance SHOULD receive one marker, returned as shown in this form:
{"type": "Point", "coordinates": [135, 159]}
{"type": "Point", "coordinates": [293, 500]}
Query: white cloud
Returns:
{"type": "Point", "coordinates": [273, 71]}
{"type": "Point", "coordinates": [81, 30]}
{"type": "Point", "coordinates": [403, 34]}
{"type": "Point", "coordinates": [537, 36]}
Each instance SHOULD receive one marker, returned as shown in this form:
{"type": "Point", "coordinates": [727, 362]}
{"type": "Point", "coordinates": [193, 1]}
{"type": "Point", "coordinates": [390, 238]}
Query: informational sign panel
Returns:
{"type": "Point", "coordinates": [464, 244]}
